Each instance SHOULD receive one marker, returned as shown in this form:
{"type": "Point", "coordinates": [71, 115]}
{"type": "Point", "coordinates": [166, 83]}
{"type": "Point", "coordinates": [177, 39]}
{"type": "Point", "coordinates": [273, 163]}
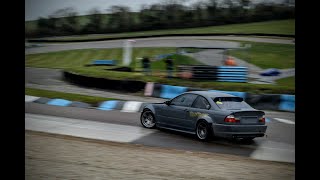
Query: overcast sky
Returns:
{"type": "Point", "coordinates": [42, 8]}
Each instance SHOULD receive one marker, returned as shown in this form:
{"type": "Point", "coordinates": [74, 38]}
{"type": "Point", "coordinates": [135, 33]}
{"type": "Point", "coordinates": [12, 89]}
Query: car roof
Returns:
{"type": "Point", "coordinates": [211, 94]}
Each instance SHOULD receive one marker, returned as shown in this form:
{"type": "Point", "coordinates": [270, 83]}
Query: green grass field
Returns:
{"type": "Point", "coordinates": [267, 55]}
{"type": "Point", "coordinates": [286, 27]}
{"type": "Point", "coordinates": [264, 55]}
{"type": "Point", "coordinates": [79, 58]}
{"type": "Point", "coordinates": [75, 61]}
{"type": "Point", "coordinates": [289, 81]}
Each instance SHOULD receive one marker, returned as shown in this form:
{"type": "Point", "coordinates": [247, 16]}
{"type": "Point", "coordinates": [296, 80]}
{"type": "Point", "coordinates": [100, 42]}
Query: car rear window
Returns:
{"type": "Point", "coordinates": [230, 103]}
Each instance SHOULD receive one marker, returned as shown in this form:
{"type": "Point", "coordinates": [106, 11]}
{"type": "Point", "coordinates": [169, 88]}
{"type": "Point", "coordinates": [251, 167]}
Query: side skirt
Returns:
{"type": "Point", "coordinates": [159, 126]}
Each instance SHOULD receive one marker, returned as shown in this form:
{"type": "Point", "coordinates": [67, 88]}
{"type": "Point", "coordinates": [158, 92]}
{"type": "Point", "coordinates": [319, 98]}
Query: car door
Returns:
{"type": "Point", "coordinates": [199, 108]}
{"type": "Point", "coordinates": [176, 112]}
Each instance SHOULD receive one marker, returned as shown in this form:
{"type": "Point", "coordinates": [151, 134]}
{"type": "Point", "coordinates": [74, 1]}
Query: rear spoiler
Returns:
{"type": "Point", "coordinates": [244, 111]}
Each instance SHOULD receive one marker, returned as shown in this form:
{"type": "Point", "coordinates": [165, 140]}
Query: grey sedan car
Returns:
{"type": "Point", "coordinates": [206, 114]}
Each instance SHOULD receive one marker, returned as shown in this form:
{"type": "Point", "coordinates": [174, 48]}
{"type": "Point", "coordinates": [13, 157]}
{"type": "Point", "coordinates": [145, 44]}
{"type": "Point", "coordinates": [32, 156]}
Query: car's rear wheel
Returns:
{"type": "Point", "coordinates": [147, 119]}
{"type": "Point", "coordinates": [203, 130]}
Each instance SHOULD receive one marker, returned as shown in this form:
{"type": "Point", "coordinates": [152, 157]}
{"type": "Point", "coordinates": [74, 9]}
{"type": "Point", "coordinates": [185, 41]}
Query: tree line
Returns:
{"type": "Point", "coordinates": [166, 15]}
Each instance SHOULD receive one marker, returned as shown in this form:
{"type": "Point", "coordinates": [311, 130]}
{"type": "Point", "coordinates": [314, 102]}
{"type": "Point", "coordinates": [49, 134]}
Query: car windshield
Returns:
{"type": "Point", "coordinates": [231, 103]}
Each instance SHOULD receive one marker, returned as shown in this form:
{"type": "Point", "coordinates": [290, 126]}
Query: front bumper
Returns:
{"type": "Point", "coordinates": [238, 131]}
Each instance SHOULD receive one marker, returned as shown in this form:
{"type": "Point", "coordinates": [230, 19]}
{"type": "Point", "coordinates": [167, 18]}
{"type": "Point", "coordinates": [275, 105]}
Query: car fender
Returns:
{"type": "Point", "coordinates": [150, 107]}
{"type": "Point", "coordinates": [205, 117]}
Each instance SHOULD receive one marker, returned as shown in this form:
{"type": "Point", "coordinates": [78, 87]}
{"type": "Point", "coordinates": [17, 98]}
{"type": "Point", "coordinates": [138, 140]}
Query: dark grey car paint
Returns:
{"type": "Point", "coordinates": [184, 119]}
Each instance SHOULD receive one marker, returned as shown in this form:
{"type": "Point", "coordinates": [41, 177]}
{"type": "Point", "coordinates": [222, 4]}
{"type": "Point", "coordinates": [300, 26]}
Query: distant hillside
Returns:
{"type": "Point", "coordinates": [281, 27]}
{"type": "Point", "coordinates": [166, 17]}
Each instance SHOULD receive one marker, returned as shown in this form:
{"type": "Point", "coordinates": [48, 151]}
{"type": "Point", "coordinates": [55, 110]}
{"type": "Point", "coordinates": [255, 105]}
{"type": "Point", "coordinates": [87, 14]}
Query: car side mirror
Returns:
{"type": "Point", "coordinates": [167, 103]}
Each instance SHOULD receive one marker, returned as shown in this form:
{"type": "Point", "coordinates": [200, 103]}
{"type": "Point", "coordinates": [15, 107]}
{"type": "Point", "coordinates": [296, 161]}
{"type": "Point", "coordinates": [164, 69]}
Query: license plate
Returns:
{"type": "Point", "coordinates": [249, 120]}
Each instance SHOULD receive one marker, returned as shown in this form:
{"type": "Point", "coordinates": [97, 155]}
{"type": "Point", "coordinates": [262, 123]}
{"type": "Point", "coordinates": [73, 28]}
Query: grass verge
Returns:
{"type": "Point", "coordinates": [67, 96]}
{"type": "Point", "coordinates": [288, 82]}
{"type": "Point", "coordinates": [267, 55]}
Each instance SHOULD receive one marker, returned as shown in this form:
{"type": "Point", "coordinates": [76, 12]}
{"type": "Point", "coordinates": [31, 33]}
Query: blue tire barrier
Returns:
{"type": "Point", "coordinates": [233, 80]}
{"type": "Point", "coordinates": [59, 102]}
{"type": "Point", "coordinates": [168, 91]}
{"type": "Point", "coordinates": [258, 101]}
{"type": "Point", "coordinates": [287, 102]}
{"type": "Point", "coordinates": [232, 74]}
{"type": "Point", "coordinates": [42, 100]}
{"type": "Point", "coordinates": [216, 73]}
{"type": "Point", "coordinates": [104, 62]}
{"type": "Point", "coordinates": [124, 106]}
{"type": "Point", "coordinates": [108, 105]}
{"type": "Point", "coordinates": [233, 68]}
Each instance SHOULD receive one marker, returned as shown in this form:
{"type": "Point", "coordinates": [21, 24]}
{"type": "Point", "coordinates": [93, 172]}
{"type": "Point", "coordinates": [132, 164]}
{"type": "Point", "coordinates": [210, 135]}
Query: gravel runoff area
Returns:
{"type": "Point", "coordinates": [50, 156]}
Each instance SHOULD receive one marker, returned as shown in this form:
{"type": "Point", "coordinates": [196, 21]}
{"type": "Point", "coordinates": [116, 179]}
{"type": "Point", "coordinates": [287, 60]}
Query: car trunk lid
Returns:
{"type": "Point", "coordinates": [249, 117]}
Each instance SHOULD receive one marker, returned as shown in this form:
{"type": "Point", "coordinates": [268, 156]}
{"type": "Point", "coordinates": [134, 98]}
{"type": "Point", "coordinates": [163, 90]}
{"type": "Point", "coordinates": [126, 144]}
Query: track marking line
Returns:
{"type": "Point", "coordinates": [28, 98]}
{"type": "Point", "coordinates": [131, 106]}
{"type": "Point", "coordinates": [284, 121]}
{"type": "Point", "coordinates": [85, 128]}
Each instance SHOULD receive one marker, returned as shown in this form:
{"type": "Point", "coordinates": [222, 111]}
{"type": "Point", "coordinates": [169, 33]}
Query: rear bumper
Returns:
{"type": "Point", "coordinates": [239, 131]}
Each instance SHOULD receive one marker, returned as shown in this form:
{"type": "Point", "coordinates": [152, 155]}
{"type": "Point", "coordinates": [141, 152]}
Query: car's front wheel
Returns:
{"type": "Point", "coordinates": [203, 130]}
{"type": "Point", "coordinates": [147, 119]}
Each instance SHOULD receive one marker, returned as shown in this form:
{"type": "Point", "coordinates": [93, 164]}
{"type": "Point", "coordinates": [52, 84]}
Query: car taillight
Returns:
{"type": "Point", "coordinates": [262, 119]}
{"type": "Point", "coordinates": [231, 119]}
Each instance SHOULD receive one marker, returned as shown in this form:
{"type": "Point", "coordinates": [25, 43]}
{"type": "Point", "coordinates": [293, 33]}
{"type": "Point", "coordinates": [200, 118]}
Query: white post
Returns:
{"type": "Point", "coordinates": [127, 52]}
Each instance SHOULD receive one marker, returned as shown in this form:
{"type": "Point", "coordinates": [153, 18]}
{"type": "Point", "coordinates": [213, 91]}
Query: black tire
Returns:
{"type": "Point", "coordinates": [147, 119]}
{"type": "Point", "coordinates": [203, 130]}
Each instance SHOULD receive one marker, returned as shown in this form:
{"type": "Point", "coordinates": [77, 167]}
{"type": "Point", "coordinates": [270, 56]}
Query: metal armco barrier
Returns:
{"type": "Point", "coordinates": [216, 73]}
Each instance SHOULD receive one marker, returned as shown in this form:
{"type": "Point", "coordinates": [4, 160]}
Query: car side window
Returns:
{"type": "Point", "coordinates": [184, 100]}
{"type": "Point", "coordinates": [201, 103]}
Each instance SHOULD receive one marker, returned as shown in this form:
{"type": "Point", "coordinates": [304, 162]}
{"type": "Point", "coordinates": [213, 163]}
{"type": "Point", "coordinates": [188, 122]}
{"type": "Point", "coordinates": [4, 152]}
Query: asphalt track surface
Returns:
{"type": "Point", "coordinates": [192, 41]}
{"type": "Point", "coordinates": [280, 136]}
